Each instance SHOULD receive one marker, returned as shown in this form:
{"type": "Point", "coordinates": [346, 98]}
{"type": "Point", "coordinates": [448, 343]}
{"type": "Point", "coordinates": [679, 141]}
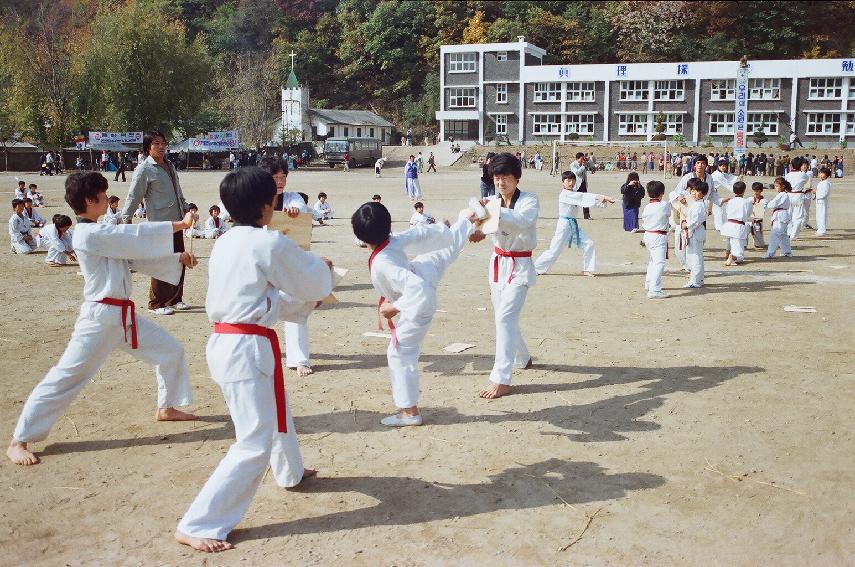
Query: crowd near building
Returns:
{"type": "Point", "coordinates": [503, 90]}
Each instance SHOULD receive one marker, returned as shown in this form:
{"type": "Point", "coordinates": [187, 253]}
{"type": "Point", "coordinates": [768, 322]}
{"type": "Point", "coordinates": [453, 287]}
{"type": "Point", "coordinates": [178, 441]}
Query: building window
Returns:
{"type": "Point", "coordinates": [768, 121]}
{"type": "Point", "coordinates": [461, 98]}
{"type": "Point", "coordinates": [850, 123]}
{"type": "Point", "coordinates": [723, 89]}
{"type": "Point", "coordinates": [331, 131]}
{"type": "Point", "coordinates": [819, 123]}
{"type": "Point", "coordinates": [461, 62]}
{"type": "Point", "coordinates": [502, 56]}
{"type": "Point", "coordinates": [668, 90]}
{"type": "Point", "coordinates": [673, 123]}
{"type": "Point", "coordinates": [546, 123]}
{"type": "Point", "coordinates": [359, 132]}
{"type": "Point", "coordinates": [851, 89]}
{"type": "Point", "coordinates": [579, 124]}
{"type": "Point", "coordinates": [825, 88]}
{"type": "Point", "coordinates": [371, 132]}
{"type": "Point", "coordinates": [764, 89]}
{"type": "Point", "coordinates": [721, 123]}
{"type": "Point", "coordinates": [346, 131]}
{"type": "Point", "coordinates": [547, 92]}
{"type": "Point", "coordinates": [580, 92]}
{"type": "Point", "coordinates": [502, 125]}
{"type": "Point", "coordinates": [634, 90]}
{"type": "Point", "coordinates": [502, 93]}
{"type": "Point", "coordinates": [632, 124]}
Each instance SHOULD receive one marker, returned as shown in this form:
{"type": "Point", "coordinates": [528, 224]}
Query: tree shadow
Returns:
{"type": "Point", "coordinates": [407, 501]}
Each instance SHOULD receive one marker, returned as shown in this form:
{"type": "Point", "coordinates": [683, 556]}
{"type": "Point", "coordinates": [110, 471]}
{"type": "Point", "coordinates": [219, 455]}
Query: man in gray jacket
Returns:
{"type": "Point", "coordinates": [156, 181]}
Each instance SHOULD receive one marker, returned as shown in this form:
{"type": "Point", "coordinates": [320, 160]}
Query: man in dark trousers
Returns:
{"type": "Point", "coordinates": [156, 181]}
{"type": "Point", "coordinates": [580, 168]}
{"type": "Point", "coordinates": [121, 166]}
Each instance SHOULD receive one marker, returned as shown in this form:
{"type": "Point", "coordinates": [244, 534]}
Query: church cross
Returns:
{"type": "Point", "coordinates": [292, 55]}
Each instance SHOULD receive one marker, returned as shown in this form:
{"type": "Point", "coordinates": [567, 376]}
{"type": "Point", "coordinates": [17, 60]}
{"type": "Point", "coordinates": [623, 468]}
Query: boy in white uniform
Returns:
{"type": "Point", "coordinates": [511, 270]}
{"type": "Point", "coordinates": [407, 287]}
{"type": "Point", "coordinates": [21, 190]}
{"type": "Point", "coordinates": [655, 219]}
{"type": "Point", "coordinates": [758, 210]}
{"type": "Point", "coordinates": [194, 231]}
{"type": "Point", "coordinates": [114, 214]}
{"type": "Point", "coordinates": [20, 234]}
{"type": "Point", "coordinates": [250, 268]}
{"type": "Point", "coordinates": [695, 226]}
{"type": "Point", "coordinates": [323, 210]}
{"type": "Point", "coordinates": [679, 202]}
{"type": "Point", "coordinates": [823, 190]}
{"type": "Point", "coordinates": [805, 168]}
{"type": "Point", "coordinates": [798, 181]}
{"type": "Point", "coordinates": [33, 193]}
{"type": "Point", "coordinates": [57, 238]}
{"type": "Point", "coordinates": [737, 211]}
{"type": "Point", "coordinates": [106, 254]}
{"type": "Point", "coordinates": [420, 216]}
{"type": "Point", "coordinates": [215, 227]}
{"type": "Point", "coordinates": [778, 233]}
{"type": "Point", "coordinates": [568, 229]}
{"type": "Point", "coordinates": [32, 216]}
{"type": "Point", "coordinates": [722, 187]}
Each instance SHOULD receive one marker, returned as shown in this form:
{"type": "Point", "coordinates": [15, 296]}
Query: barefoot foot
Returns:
{"type": "Point", "coordinates": [203, 544]}
{"type": "Point", "coordinates": [172, 414]}
{"type": "Point", "coordinates": [303, 371]}
{"type": "Point", "coordinates": [309, 473]}
{"type": "Point", "coordinates": [18, 454]}
{"type": "Point", "coordinates": [494, 391]}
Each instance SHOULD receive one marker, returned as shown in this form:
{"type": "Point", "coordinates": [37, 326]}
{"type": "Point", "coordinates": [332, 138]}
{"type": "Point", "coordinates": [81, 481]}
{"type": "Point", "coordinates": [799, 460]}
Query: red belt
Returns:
{"type": "Point", "coordinates": [512, 254]}
{"type": "Point", "coordinates": [126, 305]}
{"type": "Point", "coordinates": [666, 240]}
{"type": "Point", "coordinates": [278, 376]}
{"type": "Point", "coordinates": [734, 221]}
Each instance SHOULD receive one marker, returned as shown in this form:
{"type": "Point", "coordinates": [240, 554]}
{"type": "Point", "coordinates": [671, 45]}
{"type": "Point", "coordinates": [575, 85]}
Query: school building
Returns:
{"type": "Point", "coordinates": [504, 89]}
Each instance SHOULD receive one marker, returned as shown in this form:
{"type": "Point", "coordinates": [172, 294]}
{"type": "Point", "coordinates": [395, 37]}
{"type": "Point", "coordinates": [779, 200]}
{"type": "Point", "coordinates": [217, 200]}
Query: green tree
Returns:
{"type": "Point", "coordinates": [150, 77]}
{"type": "Point", "coordinates": [248, 96]}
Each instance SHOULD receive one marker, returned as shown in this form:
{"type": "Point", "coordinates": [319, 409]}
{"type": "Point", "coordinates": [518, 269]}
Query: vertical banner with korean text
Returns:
{"type": "Point", "coordinates": [740, 115]}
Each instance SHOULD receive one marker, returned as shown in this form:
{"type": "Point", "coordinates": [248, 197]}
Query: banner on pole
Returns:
{"type": "Point", "coordinates": [740, 114]}
{"type": "Point", "coordinates": [107, 140]}
{"type": "Point", "coordinates": [224, 140]}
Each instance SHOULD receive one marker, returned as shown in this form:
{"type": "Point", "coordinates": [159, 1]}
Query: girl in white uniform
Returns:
{"type": "Point", "coordinates": [250, 268]}
{"type": "Point", "coordinates": [107, 317]}
{"type": "Point", "coordinates": [655, 220]}
{"type": "Point", "coordinates": [567, 230]}
{"type": "Point", "coordinates": [778, 233]}
{"type": "Point", "coordinates": [737, 212]}
{"type": "Point", "coordinates": [407, 287]}
{"type": "Point", "coordinates": [695, 227]}
{"type": "Point", "coordinates": [57, 238]}
{"type": "Point", "coordinates": [823, 190]}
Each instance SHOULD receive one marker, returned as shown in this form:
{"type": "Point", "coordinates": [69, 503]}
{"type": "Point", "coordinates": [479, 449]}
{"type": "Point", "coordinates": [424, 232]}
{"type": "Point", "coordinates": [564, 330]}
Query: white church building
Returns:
{"type": "Point", "coordinates": [321, 123]}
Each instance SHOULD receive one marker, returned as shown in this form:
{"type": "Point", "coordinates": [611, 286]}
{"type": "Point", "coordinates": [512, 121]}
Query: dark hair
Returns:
{"type": "Point", "coordinates": [371, 223]}
{"type": "Point", "coordinates": [27, 200]}
{"type": "Point", "coordinates": [113, 199]}
{"type": "Point", "coordinates": [16, 202]}
{"type": "Point", "coordinates": [192, 206]}
{"type": "Point", "coordinates": [693, 183]}
{"type": "Point", "coordinates": [34, 185]}
{"type": "Point", "coordinates": [739, 188]}
{"type": "Point", "coordinates": [756, 186]}
{"type": "Point", "coordinates": [212, 209]}
{"type": "Point", "coordinates": [655, 189]}
{"type": "Point", "coordinates": [796, 163]}
{"type": "Point", "coordinates": [568, 175]}
{"type": "Point", "coordinates": [491, 155]}
{"type": "Point", "coordinates": [580, 154]}
{"type": "Point", "coordinates": [61, 221]}
{"type": "Point", "coordinates": [21, 182]}
{"type": "Point", "coordinates": [80, 186]}
{"type": "Point", "coordinates": [305, 197]}
{"type": "Point", "coordinates": [321, 194]}
{"type": "Point", "coordinates": [419, 204]}
{"type": "Point", "coordinates": [245, 191]}
{"type": "Point", "coordinates": [149, 138]}
{"type": "Point", "coordinates": [505, 164]}
{"type": "Point", "coordinates": [702, 188]}
{"type": "Point", "coordinates": [826, 171]}
{"type": "Point", "coordinates": [703, 158]}
{"type": "Point", "coordinates": [376, 197]}
{"type": "Point", "coordinates": [273, 165]}
{"type": "Point", "coordinates": [633, 176]}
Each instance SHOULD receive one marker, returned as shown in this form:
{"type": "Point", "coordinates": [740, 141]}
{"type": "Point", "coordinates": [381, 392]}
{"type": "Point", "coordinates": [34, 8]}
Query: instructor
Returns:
{"type": "Point", "coordinates": [156, 181]}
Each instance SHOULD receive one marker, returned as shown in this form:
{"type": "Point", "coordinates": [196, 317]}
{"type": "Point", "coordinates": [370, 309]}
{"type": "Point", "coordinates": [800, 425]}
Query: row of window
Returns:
{"type": "Point", "coordinates": [583, 124]}
{"type": "Point", "coordinates": [344, 131]}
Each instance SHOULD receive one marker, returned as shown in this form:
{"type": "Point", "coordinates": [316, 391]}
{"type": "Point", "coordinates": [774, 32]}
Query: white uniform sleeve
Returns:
{"type": "Point", "coordinates": [294, 311]}
{"type": "Point", "coordinates": [522, 217]}
{"type": "Point", "coordinates": [414, 298]}
{"type": "Point", "coordinates": [128, 241]}
{"type": "Point", "coordinates": [300, 274]}
{"type": "Point", "coordinates": [582, 199]}
{"type": "Point", "coordinates": [166, 268]}
{"type": "Point", "coordinates": [424, 238]}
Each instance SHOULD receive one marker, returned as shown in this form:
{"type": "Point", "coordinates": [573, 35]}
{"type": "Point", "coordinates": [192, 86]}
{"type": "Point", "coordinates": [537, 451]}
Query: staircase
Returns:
{"type": "Point", "coordinates": [396, 156]}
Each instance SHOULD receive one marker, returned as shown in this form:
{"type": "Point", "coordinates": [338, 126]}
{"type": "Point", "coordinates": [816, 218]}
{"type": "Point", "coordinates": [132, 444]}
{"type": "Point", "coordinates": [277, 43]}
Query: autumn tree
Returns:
{"type": "Point", "coordinates": [248, 96]}
{"type": "Point", "coordinates": [476, 30]}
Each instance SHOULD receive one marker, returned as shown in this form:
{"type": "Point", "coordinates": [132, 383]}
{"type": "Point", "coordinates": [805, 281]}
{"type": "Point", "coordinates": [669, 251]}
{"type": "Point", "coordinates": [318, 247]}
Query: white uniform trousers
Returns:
{"type": "Point", "coordinates": [224, 499]}
{"type": "Point", "coordinates": [778, 238]}
{"type": "Point", "coordinates": [821, 216]}
{"type": "Point", "coordinates": [22, 248]}
{"type": "Point", "coordinates": [414, 189]}
{"type": "Point", "coordinates": [807, 211]}
{"type": "Point", "coordinates": [795, 226]}
{"type": "Point", "coordinates": [657, 249]}
{"type": "Point", "coordinates": [680, 254]}
{"type": "Point", "coordinates": [695, 256]}
{"type": "Point", "coordinates": [56, 253]}
{"type": "Point", "coordinates": [511, 351]}
{"type": "Point", "coordinates": [736, 247]}
{"type": "Point", "coordinates": [97, 332]}
{"type": "Point", "coordinates": [567, 232]}
{"type": "Point", "coordinates": [296, 344]}
{"type": "Point", "coordinates": [411, 328]}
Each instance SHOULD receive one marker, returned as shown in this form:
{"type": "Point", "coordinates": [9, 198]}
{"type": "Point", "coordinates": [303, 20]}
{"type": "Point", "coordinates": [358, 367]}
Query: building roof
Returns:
{"type": "Point", "coordinates": [350, 117]}
{"type": "Point", "coordinates": [292, 82]}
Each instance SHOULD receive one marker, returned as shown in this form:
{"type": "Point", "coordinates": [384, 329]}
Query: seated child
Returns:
{"type": "Point", "coordinates": [20, 190]}
{"type": "Point", "coordinates": [140, 212]}
{"type": "Point", "coordinates": [250, 272]}
{"type": "Point", "coordinates": [20, 233]}
{"type": "Point", "coordinates": [823, 190]}
{"type": "Point", "coordinates": [322, 208]}
{"type": "Point", "coordinates": [779, 232]}
{"type": "Point", "coordinates": [568, 229]}
{"type": "Point", "coordinates": [194, 231]}
{"type": "Point", "coordinates": [758, 211]}
{"type": "Point", "coordinates": [737, 210]}
{"type": "Point", "coordinates": [407, 287]}
{"type": "Point", "coordinates": [695, 227]}
{"type": "Point", "coordinates": [655, 219]}
{"type": "Point", "coordinates": [215, 227]}
{"type": "Point", "coordinates": [56, 237]}
{"type": "Point", "coordinates": [420, 216]}
{"type": "Point", "coordinates": [113, 215]}
{"type": "Point", "coordinates": [33, 217]}
{"type": "Point", "coordinates": [33, 193]}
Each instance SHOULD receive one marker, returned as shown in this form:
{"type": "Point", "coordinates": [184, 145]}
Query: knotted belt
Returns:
{"type": "Point", "coordinates": [775, 210]}
{"type": "Point", "coordinates": [126, 305]}
{"type": "Point", "coordinates": [512, 254]}
{"type": "Point", "coordinates": [278, 375]}
{"type": "Point", "coordinates": [574, 225]}
{"type": "Point", "coordinates": [382, 299]}
{"type": "Point", "coordinates": [666, 240]}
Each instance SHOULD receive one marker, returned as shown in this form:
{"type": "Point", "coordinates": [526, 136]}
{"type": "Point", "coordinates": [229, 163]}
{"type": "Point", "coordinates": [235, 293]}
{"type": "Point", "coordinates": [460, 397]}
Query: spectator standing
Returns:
{"type": "Point", "coordinates": [121, 165]}
{"type": "Point", "coordinates": [488, 187]}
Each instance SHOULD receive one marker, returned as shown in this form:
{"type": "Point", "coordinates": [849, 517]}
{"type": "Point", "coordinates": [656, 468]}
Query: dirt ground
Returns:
{"type": "Point", "coordinates": [709, 428]}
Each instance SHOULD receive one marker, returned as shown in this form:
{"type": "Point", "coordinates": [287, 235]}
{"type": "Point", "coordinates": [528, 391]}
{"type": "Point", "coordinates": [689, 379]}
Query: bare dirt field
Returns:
{"type": "Point", "coordinates": [708, 428]}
